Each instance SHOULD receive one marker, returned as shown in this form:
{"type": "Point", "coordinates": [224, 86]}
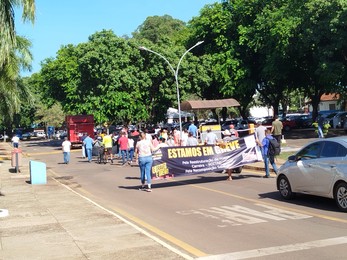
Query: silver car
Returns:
{"type": "Point", "coordinates": [320, 168]}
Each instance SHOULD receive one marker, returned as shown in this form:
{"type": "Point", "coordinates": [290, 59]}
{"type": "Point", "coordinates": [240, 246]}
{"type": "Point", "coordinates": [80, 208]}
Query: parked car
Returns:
{"type": "Point", "coordinates": [287, 124]}
{"type": "Point", "coordinates": [336, 120]}
{"type": "Point", "coordinates": [319, 168]}
{"type": "Point", "coordinates": [301, 120]}
{"type": "Point", "coordinates": [26, 136]}
{"type": "Point", "coordinates": [40, 134]}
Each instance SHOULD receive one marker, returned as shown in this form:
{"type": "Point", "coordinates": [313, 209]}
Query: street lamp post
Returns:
{"type": "Point", "coordinates": [175, 72]}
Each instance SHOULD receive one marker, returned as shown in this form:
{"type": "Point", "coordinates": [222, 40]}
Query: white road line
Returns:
{"type": "Point", "coordinates": [278, 249]}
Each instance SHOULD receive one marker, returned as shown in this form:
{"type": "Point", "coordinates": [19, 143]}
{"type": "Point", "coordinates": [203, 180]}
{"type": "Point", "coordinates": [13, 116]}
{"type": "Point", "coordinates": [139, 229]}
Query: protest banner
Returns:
{"type": "Point", "coordinates": [189, 160]}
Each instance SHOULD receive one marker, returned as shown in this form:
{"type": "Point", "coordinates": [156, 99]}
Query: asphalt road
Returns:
{"type": "Point", "coordinates": [204, 214]}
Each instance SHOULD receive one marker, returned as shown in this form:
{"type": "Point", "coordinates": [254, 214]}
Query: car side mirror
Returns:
{"type": "Point", "coordinates": [292, 158]}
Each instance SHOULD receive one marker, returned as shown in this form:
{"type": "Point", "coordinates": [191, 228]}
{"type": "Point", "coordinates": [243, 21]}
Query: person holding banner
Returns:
{"type": "Point", "coordinates": [144, 150]}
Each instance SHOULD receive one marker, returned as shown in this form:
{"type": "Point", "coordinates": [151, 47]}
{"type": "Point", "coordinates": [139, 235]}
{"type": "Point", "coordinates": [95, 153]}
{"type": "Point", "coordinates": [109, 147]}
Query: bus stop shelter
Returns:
{"type": "Point", "coordinates": [209, 104]}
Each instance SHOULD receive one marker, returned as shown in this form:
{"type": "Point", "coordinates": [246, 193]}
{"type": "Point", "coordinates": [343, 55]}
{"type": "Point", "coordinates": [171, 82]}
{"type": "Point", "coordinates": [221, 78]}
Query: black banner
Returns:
{"type": "Point", "coordinates": [189, 160]}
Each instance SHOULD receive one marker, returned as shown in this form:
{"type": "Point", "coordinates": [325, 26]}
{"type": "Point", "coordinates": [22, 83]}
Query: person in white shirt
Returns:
{"type": "Point", "coordinates": [15, 141]}
{"type": "Point", "coordinates": [66, 145]}
{"type": "Point", "coordinates": [260, 133]}
{"type": "Point", "coordinates": [184, 137]}
{"type": "Point", "coordinates": [211, 138]}
{"type": "Point", "coordinates": [144, 150]}
{"type": "Point", "coordinates": [191, 141]}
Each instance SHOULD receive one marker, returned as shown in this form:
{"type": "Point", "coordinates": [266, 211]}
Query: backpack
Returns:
{"type": "Point", "coordinates": [274, 147]}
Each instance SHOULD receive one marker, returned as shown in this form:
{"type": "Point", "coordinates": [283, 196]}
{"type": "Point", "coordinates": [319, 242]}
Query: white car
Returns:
{"type": "Point", "coordinates": [320, 168]}
{"type": "Point", "coordinates": [40, 134]}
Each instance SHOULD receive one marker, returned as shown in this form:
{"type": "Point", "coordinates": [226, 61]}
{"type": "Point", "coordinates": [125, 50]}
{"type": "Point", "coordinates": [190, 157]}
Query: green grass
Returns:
{"type": "Point", "coordinates": [285, 155]}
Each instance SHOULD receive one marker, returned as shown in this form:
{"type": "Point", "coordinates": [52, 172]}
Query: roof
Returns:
{"type": "Point", "coordinates": [205, 104]}
{"type": "Point", "coordinates": [330, 97]}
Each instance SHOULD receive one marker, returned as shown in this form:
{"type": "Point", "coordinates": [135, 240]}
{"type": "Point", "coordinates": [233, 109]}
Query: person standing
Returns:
{"type": "Point", "coordinates": [123, 146]}
{"type": "Point", "coordinates": [88, 142]}
{"type": "Point", "coordinates": [131, 149]}
{"type": "Point", "coordinates": [266, 156]}
{"type": "Point", "coordinates": [15, 141]}
{"type": "Point", "coordinates": [191, 141]}
{"type": "Point", "coordinates": [184, 137]}
{"type": "Point", "coordinates": [83, 146]}
{"type": "Point", "coordinates": [107, 141]}
{"type": "Point", "coordinates": [193, 129]}
{"type": "Point", "coordinates": [260, 133]}
{"type": "Point", "coordinates": [233, 132]}
{"type": "Point", "coordinates": [276, 129]}
{"type": "Point", "coordinates": [228, 137]}
{"type": "Point", "coordinates": [211, 138]}
{"type": "Point", "coordinates": [144, 150]}
{"type": "Point", "coordinates": [66, 146]}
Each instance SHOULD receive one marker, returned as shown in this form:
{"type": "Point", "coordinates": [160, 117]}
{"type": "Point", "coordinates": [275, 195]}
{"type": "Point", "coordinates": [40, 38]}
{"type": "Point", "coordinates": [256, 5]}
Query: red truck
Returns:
{"type": "Point", "coordinates": [78, 125]}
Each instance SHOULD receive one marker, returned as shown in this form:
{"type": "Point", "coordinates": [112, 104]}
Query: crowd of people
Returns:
{"type": "Point", "coordinates": [133, 145]}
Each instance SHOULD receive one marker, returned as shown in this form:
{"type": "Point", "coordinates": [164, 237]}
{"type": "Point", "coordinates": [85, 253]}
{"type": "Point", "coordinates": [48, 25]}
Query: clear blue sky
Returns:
{"type": "Point", "coordinates": [72, 21]}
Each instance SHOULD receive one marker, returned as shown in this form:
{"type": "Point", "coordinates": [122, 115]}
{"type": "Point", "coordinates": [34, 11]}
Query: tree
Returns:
{"type": "Point", "coordinates": [159, 29]}
{"type": "Point", "coordinates": [12, 91]}
{"type": "Point", "coordinates": [8, 32]}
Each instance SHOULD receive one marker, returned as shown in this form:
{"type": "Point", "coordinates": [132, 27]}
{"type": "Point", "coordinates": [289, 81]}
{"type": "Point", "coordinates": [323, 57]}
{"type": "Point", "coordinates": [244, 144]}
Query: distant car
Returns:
{"type": "Point", "coordinates": [26, 136]}
{"type": "Point", "coordinates": [287, 124]}
{"type": "Point", "coordinates": [320, 168]}
{"type": "Point", "coordinates": [40, 134]}
{"type": "Point", "coordinates": [336, 119]}
{"type": "Point", "coordinates": [301, 120]}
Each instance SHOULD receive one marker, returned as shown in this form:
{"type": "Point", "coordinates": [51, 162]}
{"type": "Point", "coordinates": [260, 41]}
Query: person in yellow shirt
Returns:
{"type": "Point", "coordinates": [107, 142]}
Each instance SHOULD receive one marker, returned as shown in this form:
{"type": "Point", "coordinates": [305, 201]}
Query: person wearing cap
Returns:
{"type": "Point", "coordinates": [211, 137]}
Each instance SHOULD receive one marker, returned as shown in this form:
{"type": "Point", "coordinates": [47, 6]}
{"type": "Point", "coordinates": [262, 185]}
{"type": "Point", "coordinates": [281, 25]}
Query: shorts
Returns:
{"type": "Point", "coordinates": [108, 150]}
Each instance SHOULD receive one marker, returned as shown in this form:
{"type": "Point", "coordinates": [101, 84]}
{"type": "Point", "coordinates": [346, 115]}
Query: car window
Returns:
{"type": "Point", "coordinates": [332, 149]}
{"type": "Point", "coordinates": [311, 151]}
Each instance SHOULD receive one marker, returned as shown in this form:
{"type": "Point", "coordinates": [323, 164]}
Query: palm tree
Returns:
{"type": "Point", "coordinates": [8, 33]}
{"type": "Point", "coordinates": [11, 92]}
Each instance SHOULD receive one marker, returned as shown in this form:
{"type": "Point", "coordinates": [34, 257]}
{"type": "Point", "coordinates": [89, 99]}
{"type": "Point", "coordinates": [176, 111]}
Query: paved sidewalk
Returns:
{"type": "Point", "coordinates": [53, 222]}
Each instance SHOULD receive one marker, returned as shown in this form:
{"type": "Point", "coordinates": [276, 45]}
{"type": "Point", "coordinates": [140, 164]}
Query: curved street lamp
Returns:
{"type": "Point", "coordinates": [175, 72]}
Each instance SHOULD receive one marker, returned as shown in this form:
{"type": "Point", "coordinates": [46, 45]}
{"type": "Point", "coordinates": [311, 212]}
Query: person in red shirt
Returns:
{"type": "Point", "coordinates": [123, 146]}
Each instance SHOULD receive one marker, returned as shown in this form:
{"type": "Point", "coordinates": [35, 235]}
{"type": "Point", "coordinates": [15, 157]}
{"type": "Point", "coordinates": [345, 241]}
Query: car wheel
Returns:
{"type": "Point", "coordinates": [284, 187]}
{"type": "Point", "coordinates": [340, 196]}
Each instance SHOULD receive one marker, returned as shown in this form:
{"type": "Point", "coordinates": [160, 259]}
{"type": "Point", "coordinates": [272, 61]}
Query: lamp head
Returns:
{"type": "Point", "coordinates": [143, 48]}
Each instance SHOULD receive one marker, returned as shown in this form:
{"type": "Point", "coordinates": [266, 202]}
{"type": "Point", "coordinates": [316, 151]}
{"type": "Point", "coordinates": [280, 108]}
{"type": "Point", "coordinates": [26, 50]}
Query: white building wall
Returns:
{"type": "Point", "coordinates": [261, 111]}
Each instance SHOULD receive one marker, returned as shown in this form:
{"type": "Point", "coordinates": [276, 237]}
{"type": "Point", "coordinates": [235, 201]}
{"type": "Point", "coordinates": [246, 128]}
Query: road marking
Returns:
{"type": "Point", "coordinates": [120, 213]}
{"type": "Point", "coordinates": [256, 201]}
{"type": "Point", "coordinates": [237, 215]}
{"type": "Point", "coordinates": [278, 249]}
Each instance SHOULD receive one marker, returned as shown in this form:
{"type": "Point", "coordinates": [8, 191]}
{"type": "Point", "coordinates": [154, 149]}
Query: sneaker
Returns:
{"type": "Point", "coordinates": [142, 188]}
{"type": "Point", "coordinates": [266, 176]}
{"type": "Point", "coordinates": [149, 190]}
